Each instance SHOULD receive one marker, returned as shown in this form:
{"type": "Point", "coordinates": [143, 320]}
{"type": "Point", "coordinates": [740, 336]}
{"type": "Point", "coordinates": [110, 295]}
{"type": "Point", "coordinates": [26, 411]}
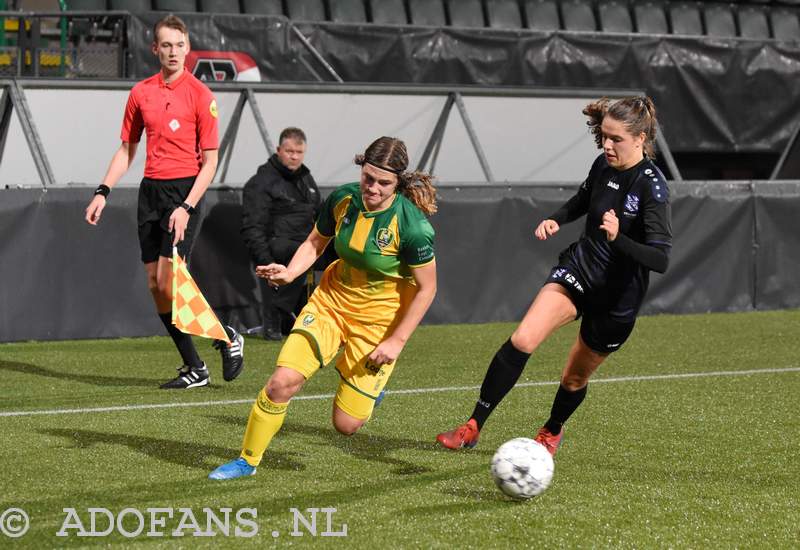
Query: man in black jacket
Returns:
{"type": "Point", "coordinates": [280, 204]}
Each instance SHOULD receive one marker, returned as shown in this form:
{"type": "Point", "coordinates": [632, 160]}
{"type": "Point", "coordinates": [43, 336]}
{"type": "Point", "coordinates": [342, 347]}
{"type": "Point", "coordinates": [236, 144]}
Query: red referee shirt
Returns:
{"type": "Point", "coordinates": [180, 119]}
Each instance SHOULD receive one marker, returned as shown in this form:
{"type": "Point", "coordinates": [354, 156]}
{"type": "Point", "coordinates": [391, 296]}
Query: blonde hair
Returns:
{"type": "Point", "coordinates": [390, 154]}
{"type": "Point", "coordinates": [637, 114]}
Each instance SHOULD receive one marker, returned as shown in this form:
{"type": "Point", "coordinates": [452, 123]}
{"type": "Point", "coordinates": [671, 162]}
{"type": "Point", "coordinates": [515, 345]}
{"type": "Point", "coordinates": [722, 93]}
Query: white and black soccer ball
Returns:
{"type": "Point", "coordinates": [522, 468]}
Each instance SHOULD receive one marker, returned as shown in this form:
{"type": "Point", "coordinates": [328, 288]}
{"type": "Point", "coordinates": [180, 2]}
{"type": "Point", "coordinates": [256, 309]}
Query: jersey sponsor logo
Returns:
{"type": "Point", "coordinates": [213, 108]}
{"type": "Point", "coordinates": [308, 318]}
{"type": "Point", "coordinates": [631, 205]}
{"type": "Point", "coordinates": [213, 65]}
{"type": "Point", "coordinates": [613, 185]}
{"type": "Point", "coordinates": [384, 237]}
{"type": "Point", "coordinates": [174, 125]}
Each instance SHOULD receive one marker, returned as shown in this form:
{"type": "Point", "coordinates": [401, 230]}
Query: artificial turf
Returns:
{"type": "Point", "coordinates": [689, 437]}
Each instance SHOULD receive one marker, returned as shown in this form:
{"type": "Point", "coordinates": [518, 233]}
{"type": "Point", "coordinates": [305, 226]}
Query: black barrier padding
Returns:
{"type": "Point", "coordinates": [712, 95]}
{"type": "Point", "coordinates": [61, 278]}
{"type": "Point", "coordinates": [777, 208]}
{"type": "Point", "coordinates": [736, 247]}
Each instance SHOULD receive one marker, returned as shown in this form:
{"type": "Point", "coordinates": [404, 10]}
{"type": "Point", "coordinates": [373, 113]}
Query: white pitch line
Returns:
{"type": "Point", "coordinates": [642, 378]}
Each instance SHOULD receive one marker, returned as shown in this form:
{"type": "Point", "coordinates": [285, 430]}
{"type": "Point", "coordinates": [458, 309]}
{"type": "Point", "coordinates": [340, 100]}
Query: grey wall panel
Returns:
{"type": "Point", "coordinates": [60, 278]}
{"type": "Point", "coordinates": [80, 132]}
{"type": "Point", "coordinates": [531, 139]}
{"type": "Point", "coordinates": [17, 167]}
{"type": "Point", "coordinates": [543, 140]}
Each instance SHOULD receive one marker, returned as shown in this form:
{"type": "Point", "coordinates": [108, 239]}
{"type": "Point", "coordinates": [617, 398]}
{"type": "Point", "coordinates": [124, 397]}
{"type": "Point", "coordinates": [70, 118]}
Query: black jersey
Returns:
{"type": "Point", "coordinates": [639, 196]}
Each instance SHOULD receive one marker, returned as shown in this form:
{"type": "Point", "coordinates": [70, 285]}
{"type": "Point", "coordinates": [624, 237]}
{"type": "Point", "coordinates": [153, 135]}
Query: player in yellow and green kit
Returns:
{"type": "Point", "coordinates": [370, 300]}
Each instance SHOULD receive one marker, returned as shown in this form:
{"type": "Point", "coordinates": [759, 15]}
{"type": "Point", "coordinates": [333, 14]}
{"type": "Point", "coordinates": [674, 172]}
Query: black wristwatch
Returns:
{"type": "Point", "coordinates": [189, 208]}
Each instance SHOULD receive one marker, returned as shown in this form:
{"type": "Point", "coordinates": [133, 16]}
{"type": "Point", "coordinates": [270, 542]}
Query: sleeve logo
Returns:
{"type": "Point", "coordinates": [213, 108]}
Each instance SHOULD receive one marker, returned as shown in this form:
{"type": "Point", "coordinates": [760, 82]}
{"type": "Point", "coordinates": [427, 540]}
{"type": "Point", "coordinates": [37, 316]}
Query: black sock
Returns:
{"type": "Point", "coordinates": [182, 341]}
{"type": "Point", "coordinates": [565, 403]}
{"type": "Point", "coordinates": [504, 371]}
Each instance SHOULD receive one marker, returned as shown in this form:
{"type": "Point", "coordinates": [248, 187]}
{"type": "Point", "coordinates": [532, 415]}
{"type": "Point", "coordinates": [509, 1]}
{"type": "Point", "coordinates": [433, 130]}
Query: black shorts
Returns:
{"type": "Point", "coordinates": [601, 331]}
{"type": "Point", "coordinates": [157, 200]}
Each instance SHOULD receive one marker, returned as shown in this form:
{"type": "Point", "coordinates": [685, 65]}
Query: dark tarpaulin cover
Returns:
{"type": "Point", "coordinates": [736, 248]}
{"type": "Point", "coordinates": [712, 94]}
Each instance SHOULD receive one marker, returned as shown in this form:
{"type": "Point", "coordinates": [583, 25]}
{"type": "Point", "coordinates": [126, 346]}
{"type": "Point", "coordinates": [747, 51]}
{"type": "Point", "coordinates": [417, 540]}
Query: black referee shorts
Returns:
{"type": "Point", "coordinates": [602, 331]}
{"type": "Point", "coordinates": [157, 200]}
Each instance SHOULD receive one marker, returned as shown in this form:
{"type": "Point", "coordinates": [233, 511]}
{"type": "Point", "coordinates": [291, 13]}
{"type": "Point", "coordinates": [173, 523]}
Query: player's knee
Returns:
{"type": "Point", "coordinates": [523, 342]}
{"type": "Point", "coordinates": [347, 426]}
{"type": "Point", "coordinates": [574, 382]}
{"type": "Point", "coordinates": [152, 285]}
{"type": "Point", "coordinates": [163, 289]}
{"type": "Point", "coordinates": [281, 390]}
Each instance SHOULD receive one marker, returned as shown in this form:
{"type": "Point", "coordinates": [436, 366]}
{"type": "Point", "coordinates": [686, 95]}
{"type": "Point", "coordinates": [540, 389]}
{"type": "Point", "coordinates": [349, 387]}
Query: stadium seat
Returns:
{"type": "Point", "coordinates": [578, 15]}
{"type": "Point", "coordinates": [650, 18]}
{"type": "Point", "coordinates": [719, 20]}
{"type": "Point", "coordinates": [262, 7]}
{"type": "Point", "coordinates": [427, 12]}
{"type": "Point", "coordinates": [306, 10]}
{"type": "Point", "coordinates": [465, 13]}
{"type": "Point", "coordinates": [175, 5]}
{"type": "Point", "coordinates": [133, 6]}
{"type": "Point", "coordinates": [86, 5]}
{"type": "Point", "coordinates": [614, 16]}
{"type": "Point", "coordinates": [542, 15]}
{"type": "Point", "coordinates": [348, 11]}
{"type": "Point", "coordinates": [685, 17]}
{"type": "Point", "coordinates": [753, 22]}
{"type": "Point", "coordinates": [219, 6]}
{"type": "Point", "coordinates": [785, 25]}
{"type": "Point", "coordinates": [503, 14]}
{"type": "Point", "coordinates": [388, 12]}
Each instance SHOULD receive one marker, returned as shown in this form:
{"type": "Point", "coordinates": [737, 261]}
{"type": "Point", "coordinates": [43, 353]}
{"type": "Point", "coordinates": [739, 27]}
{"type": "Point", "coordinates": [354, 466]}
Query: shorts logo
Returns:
{"type": "Point", "coordinates": [631, 203]}
{"type": "Point", "coordinates": [384, 237]}
{"type": "Point", "coordinates": [213, 108]}
{"type": "Point", "coordinates": [308, 318]}
{"type": "Point", "coordinates": [374, 368]}
{"type": "Point", "coordinates": [565, 275]}
{"type": "Point", "coordinates": [174, 125]}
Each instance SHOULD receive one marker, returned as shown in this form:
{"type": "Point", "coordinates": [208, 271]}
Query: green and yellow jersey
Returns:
{"type": "Point", "coordinates": [377, 250]}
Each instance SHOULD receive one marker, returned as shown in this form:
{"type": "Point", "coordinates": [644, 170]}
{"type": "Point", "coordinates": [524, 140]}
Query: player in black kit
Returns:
{"type": "Point", "coordinates": [602, 277]}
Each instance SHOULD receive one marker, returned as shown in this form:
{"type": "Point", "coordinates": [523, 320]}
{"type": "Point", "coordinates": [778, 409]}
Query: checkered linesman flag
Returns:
{"type": "Point", "coordinates": [190, 310]}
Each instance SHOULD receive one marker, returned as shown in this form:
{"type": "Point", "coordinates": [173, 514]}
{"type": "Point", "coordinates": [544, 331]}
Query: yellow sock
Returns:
{"type": "Point", "coordinates": [266, 418]}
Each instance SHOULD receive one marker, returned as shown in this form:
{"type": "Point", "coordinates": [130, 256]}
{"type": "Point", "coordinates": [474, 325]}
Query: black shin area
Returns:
{"type": "Point", "coordinates": [182, 341]}
{"type": "Point", "coordinates": [565, 403]}
{"type": "Point", "coordinates": [504, 371]}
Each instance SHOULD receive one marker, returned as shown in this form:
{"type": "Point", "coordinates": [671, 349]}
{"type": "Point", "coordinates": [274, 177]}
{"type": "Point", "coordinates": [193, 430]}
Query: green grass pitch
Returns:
{"type": "Point", "coordinates": [689, 438]}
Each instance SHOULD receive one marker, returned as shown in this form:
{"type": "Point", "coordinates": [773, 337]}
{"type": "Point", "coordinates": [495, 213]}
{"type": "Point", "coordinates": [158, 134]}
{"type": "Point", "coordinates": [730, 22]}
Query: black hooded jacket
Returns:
{"type": "Point", "coordinates": [277, 204]}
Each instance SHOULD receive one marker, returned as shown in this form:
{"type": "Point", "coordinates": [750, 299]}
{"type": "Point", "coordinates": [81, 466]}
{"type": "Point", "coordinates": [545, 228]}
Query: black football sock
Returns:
{"type": "Point", "coordinates": [565, 403]}
{"type": "Point", "coordinates": [504, 371]}
{"type": "Point", "coordinates": [182, 341]}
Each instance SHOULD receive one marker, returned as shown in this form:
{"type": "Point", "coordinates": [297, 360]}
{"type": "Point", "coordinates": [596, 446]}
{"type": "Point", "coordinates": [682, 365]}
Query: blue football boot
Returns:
{"type": "Point", "coordinates": [233, 469]}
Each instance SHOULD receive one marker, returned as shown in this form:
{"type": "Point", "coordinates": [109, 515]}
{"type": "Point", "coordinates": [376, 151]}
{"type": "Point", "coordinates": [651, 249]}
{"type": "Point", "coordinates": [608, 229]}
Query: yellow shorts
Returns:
{"type": "Point", "coordinates": [315, 340]}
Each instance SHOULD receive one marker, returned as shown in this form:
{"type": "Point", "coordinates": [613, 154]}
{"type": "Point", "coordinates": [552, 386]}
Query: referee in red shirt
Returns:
{"type": "Point", "coordinates": [179, 115]}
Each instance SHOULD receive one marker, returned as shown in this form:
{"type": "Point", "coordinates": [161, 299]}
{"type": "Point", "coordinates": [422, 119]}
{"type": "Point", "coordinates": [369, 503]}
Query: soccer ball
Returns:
{"type": "Point", "coordinates": [522, 468]}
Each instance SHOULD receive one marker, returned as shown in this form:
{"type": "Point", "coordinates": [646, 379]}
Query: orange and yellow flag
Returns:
{"type": "Point", "coordinates": [190, 311]}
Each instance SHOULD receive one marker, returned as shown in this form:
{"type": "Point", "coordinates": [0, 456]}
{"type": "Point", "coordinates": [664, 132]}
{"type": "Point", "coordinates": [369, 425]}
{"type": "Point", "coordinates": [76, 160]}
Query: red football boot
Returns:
{"type": "Point", "coordinates": [550, 441]}
{"type": "Point", "coordinates": [465, 435]}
